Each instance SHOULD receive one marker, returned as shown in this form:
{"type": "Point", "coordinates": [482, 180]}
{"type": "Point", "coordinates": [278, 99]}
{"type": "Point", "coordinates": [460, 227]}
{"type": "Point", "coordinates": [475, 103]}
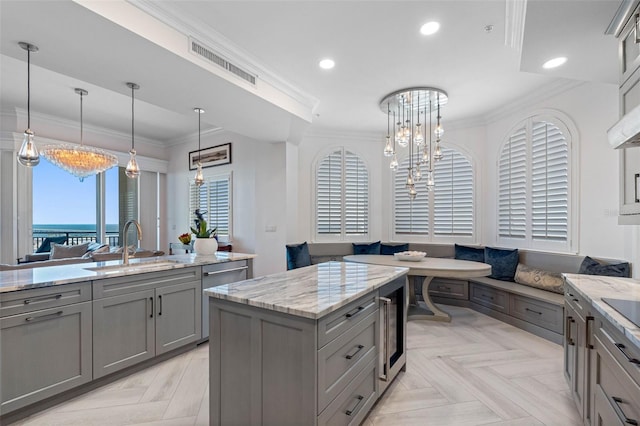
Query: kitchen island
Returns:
{"type": "Point", "coordinates": [67, 329]}
{"type": "Point", "coordinates": [299, 347]}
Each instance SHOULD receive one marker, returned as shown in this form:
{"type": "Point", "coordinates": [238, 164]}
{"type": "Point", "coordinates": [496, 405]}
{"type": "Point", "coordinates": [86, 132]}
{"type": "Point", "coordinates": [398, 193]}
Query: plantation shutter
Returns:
{"type": "Point", "coordinates": [549, 182]}
{"type": "Point", "coordinates": [214, 198]}
{"type": "Point", "coordinates": [453, 195]}
{"type": "Point", "coordinates": [342, 195]}
{"type": "Point", "coordinates": [411, 216]}
{"type": "Point", "coordinates": [356, 195]}
{"type": "Point", "coordinates": [512, 186]}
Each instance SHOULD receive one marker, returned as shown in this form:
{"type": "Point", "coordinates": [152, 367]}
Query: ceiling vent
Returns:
{"type": "Point", "coordinates": [199, 49]}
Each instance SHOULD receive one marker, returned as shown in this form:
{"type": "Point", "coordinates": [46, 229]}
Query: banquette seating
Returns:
{"type": "Point", "coordinates": [537, 306]}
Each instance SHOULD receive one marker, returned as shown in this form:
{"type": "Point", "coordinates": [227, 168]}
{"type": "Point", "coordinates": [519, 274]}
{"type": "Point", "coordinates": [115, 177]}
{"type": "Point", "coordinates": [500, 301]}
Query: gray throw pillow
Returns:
{"type": "Point", "coordinates": [538, 278]}
{"type": "Point", "coordinates": [591, 266]}
{"type": "Point", "coordinates": [59, 251]}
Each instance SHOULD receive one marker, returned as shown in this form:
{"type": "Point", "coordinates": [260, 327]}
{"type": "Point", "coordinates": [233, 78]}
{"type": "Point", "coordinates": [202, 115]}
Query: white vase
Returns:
{"type": "Point", "coordinates": [205, 246]}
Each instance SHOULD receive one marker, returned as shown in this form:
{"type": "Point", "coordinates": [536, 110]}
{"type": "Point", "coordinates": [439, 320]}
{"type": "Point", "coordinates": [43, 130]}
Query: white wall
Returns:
{"type": "Point", "coordinates": [258, 171]}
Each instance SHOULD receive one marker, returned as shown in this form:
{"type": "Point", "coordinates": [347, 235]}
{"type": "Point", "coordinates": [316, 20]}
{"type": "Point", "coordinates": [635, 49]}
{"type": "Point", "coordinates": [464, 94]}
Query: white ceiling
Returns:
{"type": "Point", "coordinates": [376, 45]}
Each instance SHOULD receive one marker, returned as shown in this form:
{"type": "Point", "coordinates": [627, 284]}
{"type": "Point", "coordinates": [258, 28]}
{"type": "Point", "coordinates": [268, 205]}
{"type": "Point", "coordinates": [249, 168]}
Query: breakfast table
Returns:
{"type": "Point", "coordinates": [427, 268]}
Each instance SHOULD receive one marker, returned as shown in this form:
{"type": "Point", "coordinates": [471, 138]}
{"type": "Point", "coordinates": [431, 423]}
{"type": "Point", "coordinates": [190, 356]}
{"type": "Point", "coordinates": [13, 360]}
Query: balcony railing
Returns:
{"type": "Point", "coordinates": [74, 237]}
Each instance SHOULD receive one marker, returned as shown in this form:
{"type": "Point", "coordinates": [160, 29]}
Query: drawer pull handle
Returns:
{"type": "Point", "coordinates": [587, 331]}
{"type": "Point", "coordinates": [616, 406]}
{"type": "Point", "coordinates": [635, 180]}
{"type": "Point", "coordinates": [444, 287]}
{"type": "Point", "coordinates": [224, 271]}
{"type": "Point", "coordinates": [55, 314]}
{"type": "Point", "coordinates": [359, 399]}
{"type": "Point", "coordinates": [151, 314]}
{"type": "Point", "coordinates": [622, 348]}
{"type": "Point", "coordinates": [57, 296]}
{"type": "Point", "coordinates": [486, 296]}
{"type": "Point", "coordinates": [567, 331]}
{"type": "Point", "coordinates": [358, 349]}
{"type": "Point", "coordinates": [637, 35]}
{"type": "Point", "coordinates": [355, 312]}
{"type": "Point", "coordinates": [531, 310]}
{"type": "Point", "coordinates": [159, 305]}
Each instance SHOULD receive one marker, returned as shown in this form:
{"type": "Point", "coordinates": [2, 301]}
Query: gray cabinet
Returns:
{"type": "Point", "coordinates": [143, 316]}
{"type": "Point", "coordinates": [220, 274]}
{"type": "Point", "coordinates": [269, 368]}
{"type": "Point", "coordinates": [44, 351]}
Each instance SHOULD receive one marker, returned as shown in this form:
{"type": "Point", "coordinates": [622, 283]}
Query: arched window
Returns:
{"type": "Point", "coordinates": [447, 213]}
{"type": "Point", "coordinates": [534, 176]}
{"type": "Point", "coordinates": [342, 196]}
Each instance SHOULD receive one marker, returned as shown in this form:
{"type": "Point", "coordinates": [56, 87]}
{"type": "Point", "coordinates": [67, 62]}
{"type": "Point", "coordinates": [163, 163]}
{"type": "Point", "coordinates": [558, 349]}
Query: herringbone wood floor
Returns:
{"type": "Point", "coordinates": [474, 370]}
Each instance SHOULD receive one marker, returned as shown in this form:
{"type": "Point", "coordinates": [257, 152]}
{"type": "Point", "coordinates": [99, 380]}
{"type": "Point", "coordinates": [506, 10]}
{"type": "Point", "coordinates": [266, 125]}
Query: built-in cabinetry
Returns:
{"type": "Point", "coordinates": [45, 343]}
{"type": "Point", "coordinates": [138, 317]}
{"type": "Point", "coordinates": [629, 65]}
{"type": "Point", "coordinates": [601, 365]}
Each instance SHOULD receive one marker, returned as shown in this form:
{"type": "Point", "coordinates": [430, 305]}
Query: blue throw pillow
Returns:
{"type": "Point", "coordinates": [373, 248]}
{"type": "Point", "coordinates": [503, 263]}
{"type": "Point", "coordinates": [390, 249]}
{"type": "Point", "coordinates": [45, 247]}
{"type": "Point", "coordinates": [590, 266]}
{"type": "Point", "coordinates": [298, 256]}
{"type": "Point", "coordinates": [469, 253]}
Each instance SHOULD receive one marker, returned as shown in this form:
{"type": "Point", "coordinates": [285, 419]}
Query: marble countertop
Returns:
{"type": "Point", "coordinates": [310, 292]}
{"type": "Point", "coordinates": [594, 288]}
{"type": "Point", "coordinates": [23, 279]}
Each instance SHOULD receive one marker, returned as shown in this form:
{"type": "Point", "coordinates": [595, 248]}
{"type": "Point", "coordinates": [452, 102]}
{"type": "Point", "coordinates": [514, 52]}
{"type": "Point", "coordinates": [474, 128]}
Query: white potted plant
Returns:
{"type": "Point", "coordinates": [206, 242]}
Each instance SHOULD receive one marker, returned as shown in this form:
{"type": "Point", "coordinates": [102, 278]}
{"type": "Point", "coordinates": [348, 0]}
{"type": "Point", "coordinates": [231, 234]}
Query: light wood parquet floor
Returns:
{"type": "Point", "coordinates": [473, 371]}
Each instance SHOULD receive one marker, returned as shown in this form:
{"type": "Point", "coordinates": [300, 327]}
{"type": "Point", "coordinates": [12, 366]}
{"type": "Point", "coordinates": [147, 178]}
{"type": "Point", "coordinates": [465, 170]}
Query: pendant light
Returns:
{"type": "Point", "coordinates": [28, 154]}
{"type": "Point", "coordinates": [199, 179]}
{"type": "Point", "coordinates": [132, 171]}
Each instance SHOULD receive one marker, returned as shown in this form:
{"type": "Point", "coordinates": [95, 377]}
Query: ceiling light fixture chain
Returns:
{"type": "Point", "coordinates": [199, 178]}
{"type": "Point", "coordinates": [408, 130]}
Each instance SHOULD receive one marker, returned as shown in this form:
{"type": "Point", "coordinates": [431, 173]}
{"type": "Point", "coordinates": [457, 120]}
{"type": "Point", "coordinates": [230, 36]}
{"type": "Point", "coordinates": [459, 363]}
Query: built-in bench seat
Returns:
{"type": "Point", "coordinates": [538, 311]}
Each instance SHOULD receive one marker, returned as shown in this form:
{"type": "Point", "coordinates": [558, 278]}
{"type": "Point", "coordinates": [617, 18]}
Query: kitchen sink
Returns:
{"type": "Point", "coordinates": [137, 266]}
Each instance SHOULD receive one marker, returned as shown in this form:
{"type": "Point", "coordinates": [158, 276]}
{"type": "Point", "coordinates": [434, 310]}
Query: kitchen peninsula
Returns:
{"type": "Point", "coordinates": [66, 329]}
{"type": "Point", "coordinates": [300, 347]}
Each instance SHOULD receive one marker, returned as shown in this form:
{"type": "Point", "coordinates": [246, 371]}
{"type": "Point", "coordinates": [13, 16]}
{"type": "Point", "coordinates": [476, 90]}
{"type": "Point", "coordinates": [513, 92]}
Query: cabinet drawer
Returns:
{"type": "Point", "coordinates": [452, 289]}
{"type": "Point", "coordinates": [577, 302]}
{"type": "Point", "coordinates": [19, 302]}
{"type": "Point", "coordinates": [353, 404]}
{"type": "Point", "coordinates": [537, 312]}
{"type": "Point", "coordinates": [620, 390]}
{"type": "Point", "coordinates": [338, 322]}
{"type": "Point", "coordinates": [489, 297]}
{"type": "Point", "coordinates": [342, 359]}
{"type": "Point", "coordinates": [629, 49]}
{"type": "Point", "coordinates": [145, 281]}
{"type": "Point", "coordinates": [604, 413]}
{"type": "Point", "coordinates": [224, 273]}
{"type": "Point", "coordinates": [628, 356]}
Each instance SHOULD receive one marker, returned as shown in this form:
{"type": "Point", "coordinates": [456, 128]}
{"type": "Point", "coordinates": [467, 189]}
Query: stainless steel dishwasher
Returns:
{"type": "Point", "coordinates": [220, 274]}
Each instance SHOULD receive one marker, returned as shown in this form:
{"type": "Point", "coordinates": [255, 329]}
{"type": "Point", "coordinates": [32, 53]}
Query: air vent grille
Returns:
{"type": "Point", "coordinates": [208, 54]}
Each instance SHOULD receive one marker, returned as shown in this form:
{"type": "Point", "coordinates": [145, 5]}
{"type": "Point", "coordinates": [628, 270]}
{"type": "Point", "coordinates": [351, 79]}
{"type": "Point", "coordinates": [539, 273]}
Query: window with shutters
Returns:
{"type": "Point", "coordinates": [534, 175]}
{"type": "Point", "coordinates": [214, 198]}
{"type": "Point", "coordinates": [447, 213]}
{"type": "Point", "coordinates": [342, 196]}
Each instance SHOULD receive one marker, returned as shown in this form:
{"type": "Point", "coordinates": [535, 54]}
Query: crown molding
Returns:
{"type": "Point", "coordinates": [193, 137]}
{"type": "Point", "coordinates": [327, 133]}
{"type": "Point", "coordinates": [74, 125]}
{"type": "Point", "coordinates": [176, 19]}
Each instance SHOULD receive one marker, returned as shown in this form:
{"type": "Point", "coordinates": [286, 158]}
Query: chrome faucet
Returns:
{"type": "Point", "coordinates": [125, 248]}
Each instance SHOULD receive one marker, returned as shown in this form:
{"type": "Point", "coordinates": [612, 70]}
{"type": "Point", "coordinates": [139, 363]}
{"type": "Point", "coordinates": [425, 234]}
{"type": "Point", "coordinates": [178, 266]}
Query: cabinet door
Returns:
{"type": "Point", "coordinates": [629, 49]}
{"type": "Point", "coordinates": [43, 353]}
{"type": "Point", "coordinates": [570, 348]}
{"type": "Point", "coordinates": [178, 315]}
{"type": "Point", "coordinates": [123, 331]}
{"type": "Point", "coordinates": [220, 274]}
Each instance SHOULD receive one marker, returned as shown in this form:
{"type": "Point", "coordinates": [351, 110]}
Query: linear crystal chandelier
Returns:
{"type": "Point", "coordinates": [412, 110]}
{"type": "Point", "coordinates": [79, 160]}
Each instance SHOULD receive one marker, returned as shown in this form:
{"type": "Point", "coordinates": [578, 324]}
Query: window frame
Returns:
{"type": "Point", "coordinates": [217, 177]}
{"type": "Point", "coordinates": [343, 236]}
{"type": "Point", "coordinates": [569, 131]}
{"type": "Point", "coordinates": [431, 237]}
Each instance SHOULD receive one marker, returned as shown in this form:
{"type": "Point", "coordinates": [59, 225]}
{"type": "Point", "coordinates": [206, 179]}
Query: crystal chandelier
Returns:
{"type": "Point", "coordinates": [79, 160]}
{"type": "Point", "coordinates": [28, 154]}
{"type": "Point", "coordinates": [411, 108]}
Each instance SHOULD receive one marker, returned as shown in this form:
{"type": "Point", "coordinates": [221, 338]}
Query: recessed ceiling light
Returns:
{"type": "Point", "coordinates": [555, 62]}
{"type": "Point", "coordinates": [430, 28]}
{"type": "Point", "coordinates": [327, 64]}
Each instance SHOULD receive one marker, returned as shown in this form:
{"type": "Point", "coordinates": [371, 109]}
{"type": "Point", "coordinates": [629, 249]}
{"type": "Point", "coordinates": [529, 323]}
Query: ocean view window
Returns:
{"type": "Point", "coordinates": [64, 206]}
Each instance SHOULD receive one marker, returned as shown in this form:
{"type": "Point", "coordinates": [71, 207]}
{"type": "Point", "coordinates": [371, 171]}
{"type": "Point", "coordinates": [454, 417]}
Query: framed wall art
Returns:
{"type": "Point", "coordinates": [209, 157]}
